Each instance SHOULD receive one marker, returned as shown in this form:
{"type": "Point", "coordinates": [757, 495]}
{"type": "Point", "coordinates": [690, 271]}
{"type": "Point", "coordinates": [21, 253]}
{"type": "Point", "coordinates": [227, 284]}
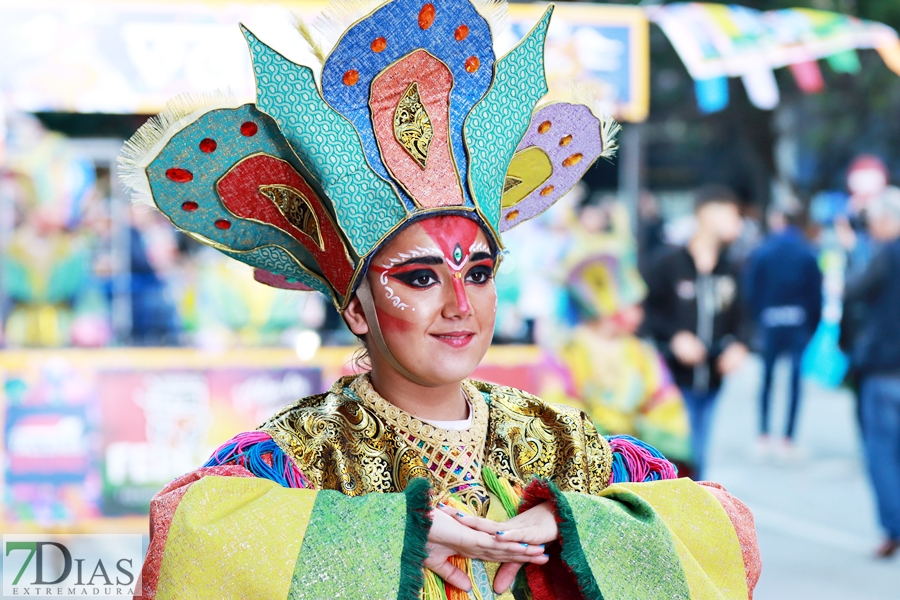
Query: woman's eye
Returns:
{"type": "Point", "coordinates": [480, 275]}
{"type": "Point", "coordinates": [420, 278]}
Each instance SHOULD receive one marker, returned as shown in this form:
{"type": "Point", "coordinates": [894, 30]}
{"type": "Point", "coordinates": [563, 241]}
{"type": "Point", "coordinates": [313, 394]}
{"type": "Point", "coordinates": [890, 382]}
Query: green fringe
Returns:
{"type": "Point", "coordinates": [493, 486]}
{"type": "Point", "coordinates": [418, 525]}
{"type": "Point", "coordinates": [571, 551]}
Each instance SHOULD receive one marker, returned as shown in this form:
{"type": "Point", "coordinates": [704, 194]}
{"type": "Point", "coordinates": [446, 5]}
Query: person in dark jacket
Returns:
{"type": "Point", "coordinates": [875, 356]}
{"type": "Point", "coordinates": [783, 289]}
{"type": "Point", "coordinates": [693, 311]}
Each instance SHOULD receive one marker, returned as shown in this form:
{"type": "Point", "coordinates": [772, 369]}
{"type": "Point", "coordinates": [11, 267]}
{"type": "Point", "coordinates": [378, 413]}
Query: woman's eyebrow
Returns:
{"type": "Point", "coordinates": [420, 260]}
{"type": "Point", "coordinates": [480, 256]}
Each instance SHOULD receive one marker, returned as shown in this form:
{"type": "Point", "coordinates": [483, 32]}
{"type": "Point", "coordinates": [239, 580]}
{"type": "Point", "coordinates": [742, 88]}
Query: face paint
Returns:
{"type": "Point", "coordinates": [433, 297]}
{"type": "Point", "coordinates": [452, 234]}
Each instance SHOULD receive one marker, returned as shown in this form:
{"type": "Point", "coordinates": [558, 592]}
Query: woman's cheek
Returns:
{"type": "Point", "coordinates": [391, 323]}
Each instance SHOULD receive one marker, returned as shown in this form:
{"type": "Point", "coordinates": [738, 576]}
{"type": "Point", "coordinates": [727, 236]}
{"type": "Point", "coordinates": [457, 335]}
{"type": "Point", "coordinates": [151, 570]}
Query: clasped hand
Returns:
{"type": "Point", "coordinates": [516, 542]}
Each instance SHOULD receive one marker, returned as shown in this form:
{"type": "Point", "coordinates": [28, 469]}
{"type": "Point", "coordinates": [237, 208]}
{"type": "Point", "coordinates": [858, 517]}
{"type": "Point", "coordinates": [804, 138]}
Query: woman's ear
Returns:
{"type": "Point", "coordinates": [355, 317]}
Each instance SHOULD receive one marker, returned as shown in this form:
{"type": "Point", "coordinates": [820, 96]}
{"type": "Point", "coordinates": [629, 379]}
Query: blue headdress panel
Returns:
{"type": "Point", "coordinates": [453, 32]}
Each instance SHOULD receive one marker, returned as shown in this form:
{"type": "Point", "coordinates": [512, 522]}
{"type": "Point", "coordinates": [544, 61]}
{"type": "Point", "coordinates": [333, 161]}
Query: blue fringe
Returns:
{"type": "Point", "coordinates": [251, 458]}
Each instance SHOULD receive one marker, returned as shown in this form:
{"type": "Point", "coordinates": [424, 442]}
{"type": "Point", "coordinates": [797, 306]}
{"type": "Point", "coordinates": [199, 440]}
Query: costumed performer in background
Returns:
{"type": "Point", "coordinates": [618, 379]}
{"type": "Point", "coordinates": [387, 191]}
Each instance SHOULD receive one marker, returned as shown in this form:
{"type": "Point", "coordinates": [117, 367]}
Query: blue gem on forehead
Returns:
{"type": "Point", "coordinates": [457, 254]}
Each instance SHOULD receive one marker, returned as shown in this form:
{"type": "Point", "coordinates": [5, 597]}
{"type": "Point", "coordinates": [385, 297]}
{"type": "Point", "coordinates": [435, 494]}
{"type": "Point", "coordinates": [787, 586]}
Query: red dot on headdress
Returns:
{"type": "Point", "coordinates": [379, 44]}
{"type": "Point", "coordinates": [426, 16]}
{"type": "Point", "coordinates": [208, 145]}
{"type": "Point", "coordinates": [351, 77]}
{"type": "Point", "coordinates": [189, 206]}
{"type": "Point", "coordinates": [249, 129]}
{"type": "Point", "coordinates": [223, 224]}
{"type": "Point", "coordinates": [472, 64]}
{"type": "Point", "coordinates": [179, 175]}
{"type": "Point", "coordinates": [461, 33]}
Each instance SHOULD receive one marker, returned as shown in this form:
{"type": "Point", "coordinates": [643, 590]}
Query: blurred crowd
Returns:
{"type": "Point", "coordinates": [641, 310]}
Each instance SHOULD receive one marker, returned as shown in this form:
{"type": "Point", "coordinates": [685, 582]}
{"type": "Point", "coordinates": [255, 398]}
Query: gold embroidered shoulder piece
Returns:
{"type": "Point", "coordinates": [354, 441]}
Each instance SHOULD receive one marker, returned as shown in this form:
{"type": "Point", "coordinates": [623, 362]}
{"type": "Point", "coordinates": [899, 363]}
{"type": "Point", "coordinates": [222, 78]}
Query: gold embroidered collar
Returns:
{"type": "Point", "coordinates": [453, 457]}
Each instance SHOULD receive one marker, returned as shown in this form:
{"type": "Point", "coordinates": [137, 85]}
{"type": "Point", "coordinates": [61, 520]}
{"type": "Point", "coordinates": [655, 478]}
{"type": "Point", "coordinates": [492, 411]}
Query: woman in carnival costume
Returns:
{"type": "Point", "coordinates": [387, 190]}
{"type": "Point", "coordinates": [618, 379]}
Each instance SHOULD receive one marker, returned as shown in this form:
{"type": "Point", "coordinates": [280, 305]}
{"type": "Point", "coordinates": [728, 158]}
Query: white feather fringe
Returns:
{"type": "Point", "coordinates": [609, 127]}
{"type": "Point", "coordinates": [326, 30]}
{"type": "Point", "coordinates": [148, 141]}
{"type": "Point", "coordinates": [495, 12]}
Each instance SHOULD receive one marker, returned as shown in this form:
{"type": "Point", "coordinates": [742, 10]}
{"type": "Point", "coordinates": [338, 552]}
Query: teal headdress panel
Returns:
{"type": "Point", "coordinates": [415, 116]}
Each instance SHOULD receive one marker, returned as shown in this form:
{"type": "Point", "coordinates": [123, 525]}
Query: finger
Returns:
{"type": "Point", "coordinates": [505, 576]}
{"type": "Point", "coordinates": [534, 536]}
{"type": "Point", "coordinates": [477, 523]}
{"type": "Point", "coordinates": [453, 576]}
{"type": "Point", "coordinates": [515, 549]}
{"type": "Point", "coordinates": [501, 557]}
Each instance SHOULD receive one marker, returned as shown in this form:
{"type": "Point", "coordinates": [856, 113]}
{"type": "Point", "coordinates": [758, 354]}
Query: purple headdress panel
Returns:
{"type": "Point", "coordinates": [561, 143]}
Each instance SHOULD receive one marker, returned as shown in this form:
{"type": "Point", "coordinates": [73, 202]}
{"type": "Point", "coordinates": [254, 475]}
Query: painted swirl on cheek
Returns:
{"type": "Point", "coordinates": [455, 236]}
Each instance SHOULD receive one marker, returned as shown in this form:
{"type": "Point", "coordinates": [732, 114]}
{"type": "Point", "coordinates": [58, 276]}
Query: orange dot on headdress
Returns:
{"type": "Point", "coordinates": [565, 141]}
{"type": "Point", "coordinates": [379, 44]}
{"type": "Point", "coordinates": [547, 190]}
{"type": "Point", "coordinates": [351, 77]}
{"type": "Point", "coordinates": [223, 224]}
{"type": "Point", "coordinates": [544, 127]}
{"type": "Point", "coordinates": [572, 160]}
{"type": "Point", "coordinates": [426, 16]}
{"type": "Point", "coordinates": [512, 215]}
{"type": "Point", "coordinates": [472, 64]}
{"type": "Point", "coordinates": [461, 33]}
{"type": "Point", "coordinates": [179, 175]}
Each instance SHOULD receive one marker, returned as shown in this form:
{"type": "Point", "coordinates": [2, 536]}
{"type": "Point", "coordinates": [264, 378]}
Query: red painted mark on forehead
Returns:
{"type": "Point", "coordinates": [450, 232]}
{"type": "Point", "coordinates": [454, 236]}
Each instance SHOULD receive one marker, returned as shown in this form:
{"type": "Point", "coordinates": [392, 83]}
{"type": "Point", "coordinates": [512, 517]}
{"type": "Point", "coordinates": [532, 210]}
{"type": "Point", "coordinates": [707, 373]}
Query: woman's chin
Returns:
{"type": "Point", "coordinates": [442, 364]}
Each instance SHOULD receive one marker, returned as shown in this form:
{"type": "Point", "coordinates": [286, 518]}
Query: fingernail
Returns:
{"type": "Point", "coordinates": [500, 532]}
{"type": "Point", "coordinates": [524, 544]}
{"type": "Point", "coordinates": [441, 504]}
{"type": "Point", "coordinates": [459, 514]}
{"type": "Point", "coordinates": [542, 545]}
{"type": "Point", "coordinates": [546, 555]}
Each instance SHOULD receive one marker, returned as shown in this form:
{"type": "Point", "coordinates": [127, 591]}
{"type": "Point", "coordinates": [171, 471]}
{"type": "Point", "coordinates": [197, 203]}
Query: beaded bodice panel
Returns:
{"type": "Point", "coordinates": [352, 440]}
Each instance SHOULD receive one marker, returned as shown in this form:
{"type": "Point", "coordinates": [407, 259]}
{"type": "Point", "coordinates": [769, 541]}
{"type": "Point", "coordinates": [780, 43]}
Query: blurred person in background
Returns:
{"type": "Point", "coordinates": [875, 356]}
{"type": "Point", "coordinates": [618, 379]}
{"type": "Point", "coordinates": [693, 310]}
{"type": "Point", "coordinates": [783, 290]}
{"type": "Point", "coordinates": [47, 279]}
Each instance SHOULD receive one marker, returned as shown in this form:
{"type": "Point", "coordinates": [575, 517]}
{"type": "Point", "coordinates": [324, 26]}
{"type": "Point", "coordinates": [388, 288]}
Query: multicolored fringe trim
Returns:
{"type": "Point", "coordinates": [637, 462]}
{"type": "Point", "coordinates": [257, 452]}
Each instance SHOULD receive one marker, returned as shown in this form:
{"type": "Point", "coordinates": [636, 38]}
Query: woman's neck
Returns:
{"type": "Point", "coordinates": [434, 403]}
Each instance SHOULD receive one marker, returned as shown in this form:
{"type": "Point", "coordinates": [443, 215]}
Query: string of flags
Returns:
{"type": "Point", "coordinates": [718, 41]}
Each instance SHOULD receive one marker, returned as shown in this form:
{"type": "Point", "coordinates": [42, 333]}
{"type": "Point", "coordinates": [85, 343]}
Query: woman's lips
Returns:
{"type": "Point", "coordinates": [455, 339]}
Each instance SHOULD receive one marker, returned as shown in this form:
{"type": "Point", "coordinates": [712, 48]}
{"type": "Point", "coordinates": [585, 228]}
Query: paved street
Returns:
{"type": "Point", "coordinates": [815, 519]}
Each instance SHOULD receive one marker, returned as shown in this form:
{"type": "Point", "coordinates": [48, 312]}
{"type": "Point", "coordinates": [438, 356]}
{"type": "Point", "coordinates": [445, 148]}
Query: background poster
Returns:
{"type": "Point", "coordinates": [158, 425]}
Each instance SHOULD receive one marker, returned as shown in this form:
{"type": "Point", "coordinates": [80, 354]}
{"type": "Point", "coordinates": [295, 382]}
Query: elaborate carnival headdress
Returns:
{"type": "Point", "coordinates": [415, 118]}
